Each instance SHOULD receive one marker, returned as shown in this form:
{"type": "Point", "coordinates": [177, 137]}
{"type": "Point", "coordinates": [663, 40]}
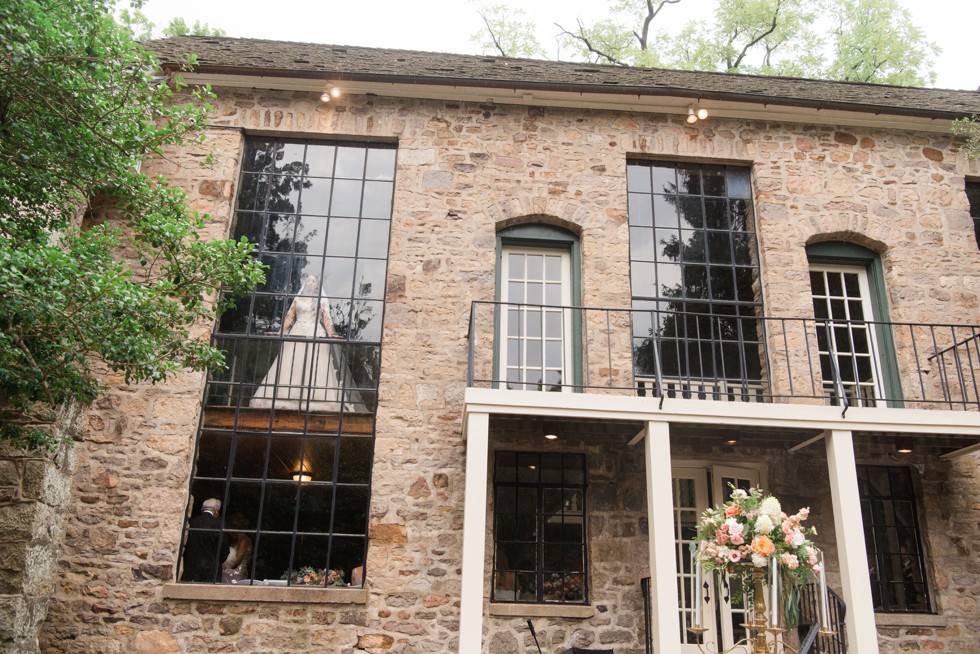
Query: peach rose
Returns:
{"type": "Point", "coordinates": [733, 510]}
{"type": "Point", "coordinates": [763, 546]}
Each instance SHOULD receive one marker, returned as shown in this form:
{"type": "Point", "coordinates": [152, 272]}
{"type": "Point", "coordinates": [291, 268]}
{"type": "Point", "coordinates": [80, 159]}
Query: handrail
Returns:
{"type": "Point", "coordinates": [664, 354]}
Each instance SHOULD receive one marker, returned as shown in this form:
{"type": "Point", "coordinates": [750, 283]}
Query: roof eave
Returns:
{"type": "Point", "coordinates": [573, 88]}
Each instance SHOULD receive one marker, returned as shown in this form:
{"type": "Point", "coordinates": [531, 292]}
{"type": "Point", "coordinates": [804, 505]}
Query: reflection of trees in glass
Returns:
{"type": "Point", "coordinates": [705, 320]}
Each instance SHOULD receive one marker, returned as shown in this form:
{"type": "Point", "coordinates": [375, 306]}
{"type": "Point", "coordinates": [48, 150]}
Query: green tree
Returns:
{"type": "Point", "coordinates": [969, 129]}
{"type": "Point", "coordinates": [178, 27]}
{"type": "Point", "coordinates": [876, 41]}
{"type": "Point", "coordinates": [506, 33]}
{"type": "Point", "coordinates": [80, 108]}
{"type": "Point", "coordinates": [870, 40]}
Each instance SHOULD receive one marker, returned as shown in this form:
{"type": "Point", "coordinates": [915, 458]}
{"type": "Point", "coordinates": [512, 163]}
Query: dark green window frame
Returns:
{"type": "Point", "coordinates": [850, 254]}
{"type": "Point", "coordinates": [545, 237]}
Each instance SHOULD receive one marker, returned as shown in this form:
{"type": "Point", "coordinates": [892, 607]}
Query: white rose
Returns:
{"type": "Point", "coordinates": [760, 561]}
{"type": "Point", "coordinates": [797, 539]}
{"type": "Point", "coordinates": [763, 524]}
{"type": "Point", "coordinates": [734, 527]}
{"type": "Point", "coordinates": [770, 506]}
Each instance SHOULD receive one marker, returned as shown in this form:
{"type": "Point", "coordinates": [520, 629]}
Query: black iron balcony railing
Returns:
{"type": "Point", "coordinates": [725, 354]}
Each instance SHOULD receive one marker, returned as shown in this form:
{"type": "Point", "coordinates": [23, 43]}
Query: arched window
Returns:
{"type": "Point", "coordinates": [538, 283]}
{"type": "Point", "coordinates": [857, 353]}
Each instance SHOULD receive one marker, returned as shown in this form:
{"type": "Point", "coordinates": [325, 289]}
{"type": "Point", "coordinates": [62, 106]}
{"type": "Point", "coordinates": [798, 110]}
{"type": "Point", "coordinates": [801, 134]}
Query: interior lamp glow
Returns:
{"type": "Point", "coordinates": [302, 476]}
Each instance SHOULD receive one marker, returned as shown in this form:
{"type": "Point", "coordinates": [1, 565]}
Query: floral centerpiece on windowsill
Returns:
{"type": "Point", "coordinates": [310, 576]}
{"type": "Point", "coordinates": [752, 530]}
{"type": "Point", "coordinates": [567, 589]}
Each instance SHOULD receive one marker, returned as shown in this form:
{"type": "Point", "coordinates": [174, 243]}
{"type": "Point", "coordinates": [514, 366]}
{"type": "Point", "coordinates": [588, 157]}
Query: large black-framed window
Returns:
{"type": "Point", "coordinates": [693, 273]}
{"type": "Point", "coordinates": [894, 539]}
{"type": "Point", "coordinates": [973, 196]}
{"type": "Point", "coordinates": [539, 528]}
{"type": "Point", "coordinates": [286, 442]}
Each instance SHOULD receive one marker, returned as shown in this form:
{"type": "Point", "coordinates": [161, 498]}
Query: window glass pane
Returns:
{"type": "Point", "coordinates": [638, 178]}
{"type": "Point", "coordinates": [665, 211]}
{"type": "Point", "coordinates": [278, 407]}
{"type": "Point", "coordinates": [283, 194]}
{"type": "Point", "coordinates": [377, 199]}
{"type": "Point", "coordinates": [380, 164]}
{"type": "Point", "coordinates": [315, 196]}
{"type": "Point", "coordinates": [350, 162]}
{"type": "Point", "coordinates": [739, 183]}
{"type": "Point", "coordinates": [373, 239]}
{"type": "Point", "coordinates": [346, 197]}
{"type": "Point", "coordinates": [319, 160]}
{"type": "Point", "coordinates": [640, 209]}
{"type": "Point", "coordinates": [257, 156]}
{"type": "Point", "coordinates": [690, 211]}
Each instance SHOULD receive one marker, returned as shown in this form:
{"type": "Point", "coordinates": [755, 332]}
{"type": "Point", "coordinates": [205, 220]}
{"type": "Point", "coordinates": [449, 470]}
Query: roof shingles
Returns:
{"type": "Point", "coordinates": [320, 61]}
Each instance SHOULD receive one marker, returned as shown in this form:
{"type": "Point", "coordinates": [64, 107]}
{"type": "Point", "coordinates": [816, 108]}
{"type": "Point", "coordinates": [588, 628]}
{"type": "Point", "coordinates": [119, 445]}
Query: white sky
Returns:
{"type": "Point", "coordinates": [447, 25]}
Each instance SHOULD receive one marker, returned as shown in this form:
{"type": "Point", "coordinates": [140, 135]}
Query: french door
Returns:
{"type": "Point", "coordinates": [723, 609]}
{"type": "Point", "coordinates": [850, 356]}
{"type": "Point", "coordinates": [535, 325]}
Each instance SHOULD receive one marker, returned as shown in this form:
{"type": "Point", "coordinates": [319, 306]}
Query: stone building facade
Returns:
{"type": "Point", "coordinates": [892, 183]}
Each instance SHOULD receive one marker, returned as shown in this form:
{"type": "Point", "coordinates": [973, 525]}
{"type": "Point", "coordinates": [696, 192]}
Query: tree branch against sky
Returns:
{"type": "Point", "coordinates": [855, 40]}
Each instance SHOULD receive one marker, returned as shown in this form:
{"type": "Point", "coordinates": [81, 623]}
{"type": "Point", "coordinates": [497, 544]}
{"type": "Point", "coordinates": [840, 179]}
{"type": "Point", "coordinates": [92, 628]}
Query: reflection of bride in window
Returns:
{"type": "Point", "coordinates": [307, 374]}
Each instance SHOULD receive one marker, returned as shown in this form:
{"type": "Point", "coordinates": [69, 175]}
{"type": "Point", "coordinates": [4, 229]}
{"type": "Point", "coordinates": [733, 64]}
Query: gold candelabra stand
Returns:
{"type": "Point", "coordinates": [761, 638]}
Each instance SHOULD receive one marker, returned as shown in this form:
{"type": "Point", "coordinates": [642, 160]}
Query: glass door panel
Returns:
{"type": "Point", "coordinates": [536, 324]}
{"type": "Point", "coordinates": [733, 609]}
{"type": "Point", "coordinates": [690, 501]}
{"type": "Point", "coordinates": [848, 347]}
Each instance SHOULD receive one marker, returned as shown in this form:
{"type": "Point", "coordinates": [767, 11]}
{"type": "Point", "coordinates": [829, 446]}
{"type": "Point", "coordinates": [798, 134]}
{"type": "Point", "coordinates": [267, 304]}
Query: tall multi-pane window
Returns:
{"type": "Point", "coordinates": [693, 265]}
{"type": "Point", "coordinates": [287, 436]}
{"type": "Point", "coordinates": [539, 528]}
{"type": "Point", "coordinates": [973, 196]}
{"type": "Point", "coordinates": [893, 539]}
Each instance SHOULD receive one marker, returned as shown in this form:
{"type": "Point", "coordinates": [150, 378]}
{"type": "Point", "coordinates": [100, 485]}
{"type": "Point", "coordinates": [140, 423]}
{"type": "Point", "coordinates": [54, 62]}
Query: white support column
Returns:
{"type": "Point", "coordinates": [660, 517]}
{"type": "Point", "coordinates": [862, 635]}
{"type": "Point", "coordinates": [474, 533]}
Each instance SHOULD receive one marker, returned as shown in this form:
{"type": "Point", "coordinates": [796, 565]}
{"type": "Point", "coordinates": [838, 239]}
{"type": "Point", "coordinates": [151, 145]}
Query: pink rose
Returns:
{"type": "Point", "coordinates": [737, 539]}
{"type": "Point", "coordinates": [734, 556]}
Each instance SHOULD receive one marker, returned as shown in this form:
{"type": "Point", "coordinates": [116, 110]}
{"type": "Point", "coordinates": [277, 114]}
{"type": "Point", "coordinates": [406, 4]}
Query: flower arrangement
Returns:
{"type": "Point", "coordinates": [753, 529]}
{"type": "Point", "coordinates": [568, 590]}
{"type": "Point", "coordinates": [310, 576]}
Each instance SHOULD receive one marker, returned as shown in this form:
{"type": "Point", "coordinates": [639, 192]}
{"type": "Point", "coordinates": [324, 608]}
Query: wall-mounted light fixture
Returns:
{"type": "Point", "coordinates": [330, 92]}
{"type": "Point", "coordinates": [730, 441]}
{"type": "Point", "coordinates": [696, 113]}
{"type": "Point", "coordinates": [903, 445]}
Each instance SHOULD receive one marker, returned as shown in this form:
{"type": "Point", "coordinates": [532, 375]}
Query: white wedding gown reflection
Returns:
{"type": "Point", "coordinates": [305, 376]}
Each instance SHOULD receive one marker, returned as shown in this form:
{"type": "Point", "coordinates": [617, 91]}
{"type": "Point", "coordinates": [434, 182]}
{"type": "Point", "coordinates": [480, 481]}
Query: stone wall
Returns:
{"type": "Point", "coordinates": [35, 488]}
{"type": "Point", "coordinates": [463, 171]}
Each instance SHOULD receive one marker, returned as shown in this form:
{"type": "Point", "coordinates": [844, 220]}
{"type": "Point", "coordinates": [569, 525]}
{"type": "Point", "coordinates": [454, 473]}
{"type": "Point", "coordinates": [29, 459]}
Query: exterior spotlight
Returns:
{"type": "Point", "coordinates": [730, 441]}
{"type": "Point", "coordinates": [696, 113]}
{"type": "Point", "coordinates": [330, 92]}
{"type": "Point", "coordinates": [903, 445]}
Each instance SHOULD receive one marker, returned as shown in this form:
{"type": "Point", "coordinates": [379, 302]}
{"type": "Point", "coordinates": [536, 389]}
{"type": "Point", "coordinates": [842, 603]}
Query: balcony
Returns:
{"type": "Point", "coordinates": [724, 356]}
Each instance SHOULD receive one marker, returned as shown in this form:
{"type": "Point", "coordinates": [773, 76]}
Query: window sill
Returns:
{"type": "Point", "coordinates": [224, 593]}
{"type": "Point", "coordinates": [543, 610]}
{"type": "Point", "coordinates": [909, 620]}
